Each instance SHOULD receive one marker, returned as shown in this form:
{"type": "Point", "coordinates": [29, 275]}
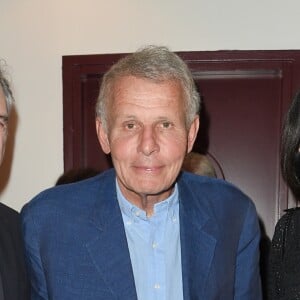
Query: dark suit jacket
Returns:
{"type": "Point", "coordinates": [77, 249]}
{"type": "Point", "coordinates": [12, 266]}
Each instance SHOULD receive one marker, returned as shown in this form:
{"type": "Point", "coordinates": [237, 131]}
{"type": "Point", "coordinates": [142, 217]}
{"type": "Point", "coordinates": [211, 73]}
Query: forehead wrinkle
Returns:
{"type": "Point", "coordinates": [134, 95]}
{"type": "Point", "coordinates": [135, 117]}
{"type": "Point", "coordinates": [138, 115]}
{"type": "Point", "coordinates": [133, 103]}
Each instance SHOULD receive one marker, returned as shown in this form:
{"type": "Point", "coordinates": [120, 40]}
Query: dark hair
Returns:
{"type": "Point", "coordinates": [75, 175]}
{"type": "Point", "coordinates": [290, 156]}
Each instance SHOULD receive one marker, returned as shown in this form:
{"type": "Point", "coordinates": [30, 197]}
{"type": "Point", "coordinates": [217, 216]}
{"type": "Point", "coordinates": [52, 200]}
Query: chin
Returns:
{"type": "Point", "coordinates": [154, 189]}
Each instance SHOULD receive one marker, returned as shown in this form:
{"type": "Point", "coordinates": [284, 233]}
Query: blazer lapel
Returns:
{"type": "Point", "coordinates": [197, 244]}
{"type": "Point", "coordinates": [109, 249]}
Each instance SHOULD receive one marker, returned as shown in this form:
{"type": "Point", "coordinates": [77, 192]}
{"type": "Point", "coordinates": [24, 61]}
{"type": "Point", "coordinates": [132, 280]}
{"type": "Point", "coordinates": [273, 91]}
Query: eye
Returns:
{"type": "Point", "coordinates": [3, 124]}
{"type": "Point", "coordinates": [166, 125]}
{"type": "Point", "coordinates": [130, 125]}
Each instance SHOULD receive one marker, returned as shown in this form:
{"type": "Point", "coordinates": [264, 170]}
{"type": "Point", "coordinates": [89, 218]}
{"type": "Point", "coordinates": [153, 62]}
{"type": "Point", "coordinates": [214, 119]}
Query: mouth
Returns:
{"type": "Point", "coordinates": [148, 169]}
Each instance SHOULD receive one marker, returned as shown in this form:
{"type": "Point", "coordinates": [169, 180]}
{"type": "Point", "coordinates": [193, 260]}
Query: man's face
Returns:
{"type": "Point", "coordinates": [147, 136]}
{"type": "Point", "coordinates": [3, 124]}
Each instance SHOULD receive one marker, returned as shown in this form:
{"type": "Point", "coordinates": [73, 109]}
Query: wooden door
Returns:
{"type": "Point", "coordinates": [245, 95]}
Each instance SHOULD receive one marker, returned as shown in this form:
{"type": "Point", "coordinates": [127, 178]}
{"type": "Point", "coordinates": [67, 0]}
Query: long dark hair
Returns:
{"type": "Point", "coordinates": [290, 155]}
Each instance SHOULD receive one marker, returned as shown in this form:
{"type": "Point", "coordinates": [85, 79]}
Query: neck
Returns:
{"type": "Point", "coordinates": [147, 204]}
{"type": "Point", "coordinates": [144, 201]}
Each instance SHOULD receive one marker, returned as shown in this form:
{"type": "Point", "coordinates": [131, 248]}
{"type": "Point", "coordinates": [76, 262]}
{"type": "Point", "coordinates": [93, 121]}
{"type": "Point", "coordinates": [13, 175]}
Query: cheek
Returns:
{"type": "Point", "coordinates": [3, 139]}
{"type": "Point", "coordinates": [172, 146]}
{"type": "Point", "coordinates": [2, 146]}
{"type": "Point", "coordinates": [175, 144]}
{"type": "Point", "coordinates": [120, 147]}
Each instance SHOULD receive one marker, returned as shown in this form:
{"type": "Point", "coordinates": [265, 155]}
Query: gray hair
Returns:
{"type": "Point", "coordinates": [155, 63]}
{"type": "Point", "coordinates": [5, 86]}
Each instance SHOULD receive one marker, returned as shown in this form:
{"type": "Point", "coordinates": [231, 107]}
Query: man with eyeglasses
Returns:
{"type": "Point", "coordinates": [13, 283]}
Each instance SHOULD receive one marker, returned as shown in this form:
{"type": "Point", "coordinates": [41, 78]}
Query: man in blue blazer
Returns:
{"type": "Point", "coordinates": [144, 230]}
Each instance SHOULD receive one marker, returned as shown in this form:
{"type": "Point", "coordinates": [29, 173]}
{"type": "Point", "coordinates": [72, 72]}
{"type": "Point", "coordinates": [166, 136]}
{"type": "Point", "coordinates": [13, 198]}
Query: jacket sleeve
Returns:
{"type": "Point", "coordinates": [32, 256]}
{"type": "Point", "coordinates": [247, 278]}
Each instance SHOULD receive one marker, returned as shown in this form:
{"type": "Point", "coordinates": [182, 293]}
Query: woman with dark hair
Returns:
{"type": "Point", "coordinates": [284, 267]}
{"type": "Point", "coordinates": [290, 154]}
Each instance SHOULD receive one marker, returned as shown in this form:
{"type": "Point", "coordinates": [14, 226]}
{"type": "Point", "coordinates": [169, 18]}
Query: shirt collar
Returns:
{"type": "Point", "coordinates": [168, 205]}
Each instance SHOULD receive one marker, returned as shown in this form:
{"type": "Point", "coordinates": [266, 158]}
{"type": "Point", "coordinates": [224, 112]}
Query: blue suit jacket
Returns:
{"type": "Point", "coordinates": [76, 246]}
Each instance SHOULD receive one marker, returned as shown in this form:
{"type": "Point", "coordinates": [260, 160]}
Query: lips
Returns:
{"type": "Point", "coordinates": [148, 169]}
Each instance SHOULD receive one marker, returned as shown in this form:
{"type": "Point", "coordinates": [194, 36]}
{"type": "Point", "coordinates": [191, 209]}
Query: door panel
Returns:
{"type": "Point", "coordinates": [244, 121]}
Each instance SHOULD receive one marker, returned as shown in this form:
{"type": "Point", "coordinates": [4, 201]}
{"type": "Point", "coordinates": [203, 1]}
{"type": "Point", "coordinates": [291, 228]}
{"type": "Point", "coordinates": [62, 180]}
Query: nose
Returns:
{"type": "Point", "coordinates": [148, 142]}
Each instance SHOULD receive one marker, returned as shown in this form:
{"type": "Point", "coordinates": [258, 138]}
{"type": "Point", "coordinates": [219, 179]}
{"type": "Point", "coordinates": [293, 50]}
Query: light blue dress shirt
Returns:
{"type": "Point", "coordinates": [154, 247]}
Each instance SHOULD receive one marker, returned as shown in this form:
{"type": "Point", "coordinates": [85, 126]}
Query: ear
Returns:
{"type": "Point", "coordinates": [102, 136]}
{"type": "Point", "coordinates": [193, 131]}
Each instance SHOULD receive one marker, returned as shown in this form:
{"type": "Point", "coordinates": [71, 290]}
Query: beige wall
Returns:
{"type": "Point", "coordinates": [35, 34]}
